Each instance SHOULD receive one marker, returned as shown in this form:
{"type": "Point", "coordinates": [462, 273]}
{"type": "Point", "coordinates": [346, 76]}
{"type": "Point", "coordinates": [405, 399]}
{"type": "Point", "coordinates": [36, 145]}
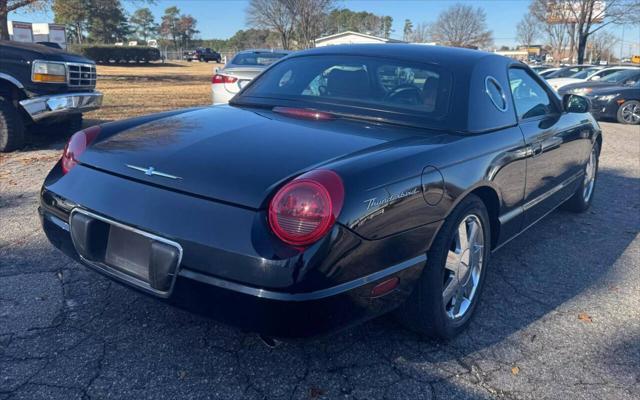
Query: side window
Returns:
{"type": "Point", "coordinates": [531, 100]}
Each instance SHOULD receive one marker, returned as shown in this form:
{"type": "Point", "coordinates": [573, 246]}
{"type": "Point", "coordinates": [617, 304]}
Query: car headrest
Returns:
{"type": "Point", "coordinates": [343, 83]}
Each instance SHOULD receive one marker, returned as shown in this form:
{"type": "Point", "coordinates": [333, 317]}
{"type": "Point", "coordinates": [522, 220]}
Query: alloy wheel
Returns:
{"type": "Point", "coordinates": [463, 267]}
{"type": "Point", "coordinates": [630, 113]}
{"type": "Point", "coordinates": [589, 176]}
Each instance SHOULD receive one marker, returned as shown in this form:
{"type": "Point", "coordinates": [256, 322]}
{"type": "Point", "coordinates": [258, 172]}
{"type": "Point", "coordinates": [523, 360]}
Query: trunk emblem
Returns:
{"type": "Point", "coordinates": [152, 171]}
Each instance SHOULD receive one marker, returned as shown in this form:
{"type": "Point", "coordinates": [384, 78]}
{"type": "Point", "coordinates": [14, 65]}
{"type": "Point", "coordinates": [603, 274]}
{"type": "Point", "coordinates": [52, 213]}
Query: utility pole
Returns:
{"type": "Point", "coordinates": [622, 43]}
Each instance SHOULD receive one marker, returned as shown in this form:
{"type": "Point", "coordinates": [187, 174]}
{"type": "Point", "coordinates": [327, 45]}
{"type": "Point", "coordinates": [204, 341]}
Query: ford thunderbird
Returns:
{"type": "Point", "coordinates": [342, 183]}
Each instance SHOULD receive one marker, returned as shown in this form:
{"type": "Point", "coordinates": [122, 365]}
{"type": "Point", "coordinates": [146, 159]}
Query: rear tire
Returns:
{"type": "Point", "coordinates": [12, 134]}
{"type": "Point", "coordinates": [629, 113]}
{"type": "Point", "coordinates": [582, 198]}
{"type": "Point", "coordinates": [432, 309]}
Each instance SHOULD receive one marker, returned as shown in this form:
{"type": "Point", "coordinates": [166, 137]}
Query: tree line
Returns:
{"type": "Point", "coordinates": [568, 28]}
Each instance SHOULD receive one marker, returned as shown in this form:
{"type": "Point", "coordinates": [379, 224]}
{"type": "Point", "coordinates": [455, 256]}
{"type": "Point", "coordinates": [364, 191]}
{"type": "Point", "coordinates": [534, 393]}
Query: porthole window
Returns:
{"type": "Point", "coordinates": [495, 93]}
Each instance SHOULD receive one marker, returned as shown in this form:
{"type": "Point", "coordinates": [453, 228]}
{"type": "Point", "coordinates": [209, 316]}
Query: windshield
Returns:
{"type": "Point", "coordinates": [359, 82]}
{"type": "Point", "coordinates": [584, 73]}
{"type": "Point", "coordinates": [621, 76]}
{"type": "Point", "coordinates": [257, 58]}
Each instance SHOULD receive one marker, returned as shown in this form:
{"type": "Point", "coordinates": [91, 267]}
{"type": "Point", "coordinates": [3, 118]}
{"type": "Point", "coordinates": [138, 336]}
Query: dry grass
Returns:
{"type": "Point", "coordinates": [131, 91]}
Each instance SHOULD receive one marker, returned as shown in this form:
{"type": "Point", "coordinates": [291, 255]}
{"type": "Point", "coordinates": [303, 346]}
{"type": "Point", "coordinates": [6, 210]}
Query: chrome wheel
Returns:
{"type": "Point", "coordinates": [463, 267]}
{"type": "Point", "coordinates": [630, 113]}
{"type": "Point", "coordinates": [589, 176]}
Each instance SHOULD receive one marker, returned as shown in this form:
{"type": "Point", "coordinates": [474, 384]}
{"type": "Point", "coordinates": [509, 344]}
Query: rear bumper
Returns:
{"type": "Point", "coordinates": [269, 312]}
{"type": "Point", "coordinates": [230, 270]}
{"type": "Point", "coordinates": [43, 107]}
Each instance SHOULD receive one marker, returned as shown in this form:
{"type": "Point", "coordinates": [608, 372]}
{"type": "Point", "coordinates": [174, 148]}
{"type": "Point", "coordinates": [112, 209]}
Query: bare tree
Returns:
{"type": "Point", "coordinates": [421, 33]}
{"type": "Point", "coordinates": [310, 17]}
{"type": "Point", "coordinates": [601, 45]}
{"type": "Point", "coordinates": [555, 29]}
{"type": "Point", "coordinates": [6, 6]}
{"type": "Point", "coordinates": [583, 18]}
{"type": "Point", "coordinates": [274, 15]}
{"type": "Point", "coordinates": [528, 30]}
{"type": "Point", "coordinates": [462, 26]}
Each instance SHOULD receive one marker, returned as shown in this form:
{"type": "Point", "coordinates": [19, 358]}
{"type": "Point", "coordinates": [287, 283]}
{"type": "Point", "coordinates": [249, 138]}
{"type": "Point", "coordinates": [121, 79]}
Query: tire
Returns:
{"type": "Point", "coordinates": [629, 112]}
{"type": "Point", "coordinates": [583, 196]}
{"type": "Point", "coordinates": [426, 310]}
{"type": "Point", "coordinates": [12, 134]}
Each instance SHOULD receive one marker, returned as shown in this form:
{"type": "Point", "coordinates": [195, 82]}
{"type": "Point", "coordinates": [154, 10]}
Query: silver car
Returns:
{"type": "Point", "coordinates": [242, 68]}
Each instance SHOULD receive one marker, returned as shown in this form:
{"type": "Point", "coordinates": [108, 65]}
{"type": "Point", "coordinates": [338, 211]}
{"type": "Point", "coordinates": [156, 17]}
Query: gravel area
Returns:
{"type": "Point", "coordinates": [559, 319]}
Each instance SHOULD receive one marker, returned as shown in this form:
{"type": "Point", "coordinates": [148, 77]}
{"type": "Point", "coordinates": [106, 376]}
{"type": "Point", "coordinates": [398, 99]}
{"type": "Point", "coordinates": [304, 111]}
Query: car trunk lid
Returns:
{"type": "Point", "coordinates": [231, 154]}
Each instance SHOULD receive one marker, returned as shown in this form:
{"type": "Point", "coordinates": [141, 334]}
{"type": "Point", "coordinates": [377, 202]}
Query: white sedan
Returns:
{"type": "Point", "coordinates": [586, 75]}
{"type": "Point", "coordinates": [242, 68]}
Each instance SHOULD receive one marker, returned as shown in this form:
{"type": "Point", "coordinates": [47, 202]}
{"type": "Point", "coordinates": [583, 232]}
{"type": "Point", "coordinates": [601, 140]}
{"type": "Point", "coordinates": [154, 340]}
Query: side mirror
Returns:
{"type": "Point", "coordinates": [595, 78]}
{"type": "Point", "coordinates": [573, 103]}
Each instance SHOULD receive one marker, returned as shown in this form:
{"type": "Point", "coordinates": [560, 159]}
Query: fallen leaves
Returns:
{"type": "Point", "coordinates": [584, 317]}
{"type": "Point", "coordinates": [515, 370]}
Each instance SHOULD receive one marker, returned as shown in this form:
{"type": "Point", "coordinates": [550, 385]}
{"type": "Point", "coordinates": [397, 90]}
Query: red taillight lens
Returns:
{"type": "Point", "coordinates": [305, 209]}
{"type": "Point", "coordinates": [76, 145]}
{"type": "Point", "coordinates": [218, 78]}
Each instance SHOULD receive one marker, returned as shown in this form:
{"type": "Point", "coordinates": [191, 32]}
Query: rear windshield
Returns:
{"type": "Point", "coordinates": [363, 82]}
{"type": "Point", "coordinates": [257, 58]}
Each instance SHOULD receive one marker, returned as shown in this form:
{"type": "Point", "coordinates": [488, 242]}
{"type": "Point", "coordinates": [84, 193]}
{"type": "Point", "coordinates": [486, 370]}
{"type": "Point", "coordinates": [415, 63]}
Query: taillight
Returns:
{"type": "Point", "coordinates": [306, 208]}
{"type": "Point", "coordinates": [218, 78]}
{"type": "Point", "coordinates": [76, 145]}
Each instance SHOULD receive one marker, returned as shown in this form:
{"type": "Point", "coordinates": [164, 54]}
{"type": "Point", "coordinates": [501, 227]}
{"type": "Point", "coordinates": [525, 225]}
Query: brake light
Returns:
{"type": "Point", "coordinates": [306, 208]}
{"type": "Point", "coordinates": [218, 78]}
{"type": "Point", "coordinates": [304, 113]}
{"type": "Point", "coordinates": [76, 145]}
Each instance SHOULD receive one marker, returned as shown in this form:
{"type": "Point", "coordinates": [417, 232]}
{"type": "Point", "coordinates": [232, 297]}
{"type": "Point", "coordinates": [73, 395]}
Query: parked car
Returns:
{"type": "Point", "coordinates": [548, 72]}
{"type": "Point", "coordinates": [202, 54]}
{"type": "Point", "coordinates": [586, 75]}
{"type": "Point", "coordinates": [625, 77]}
{"type": "Point", "coordinates": [242, 68]}
{"type": "Point", "coordinates": [564, 72]}
{"type": "Point", "coordinates": [619, 102]}
{"type": "Point", "coordinates": [539, 68]}
{"type": "Point", "coordinates": [342, 183]}
{"type": "Point", "coordinates": [41, 85]}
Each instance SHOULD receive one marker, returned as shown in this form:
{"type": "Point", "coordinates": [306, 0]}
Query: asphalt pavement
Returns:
{"type": "Point", "coordinates": [559, 318]}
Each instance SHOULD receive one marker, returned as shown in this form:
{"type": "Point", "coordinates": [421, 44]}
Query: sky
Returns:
{"type": "Point", "coordinates": [220, 19]}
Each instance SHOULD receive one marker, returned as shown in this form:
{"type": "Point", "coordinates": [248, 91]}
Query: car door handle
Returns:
{"type": "Point", "coordinates": [535, 149]}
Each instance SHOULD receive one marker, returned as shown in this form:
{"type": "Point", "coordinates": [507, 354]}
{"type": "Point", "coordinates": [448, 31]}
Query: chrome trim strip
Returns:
{"type": "Point", "coordinates": [46, 106]}
{"type": "Point", "coordinates": [533, 202]}
{"type": "Point", "coordinates": [114, 273]}
{"type": "Point", "coordinates": [319, 294]}
{"type": "Point", "coordinates": [12, 80]}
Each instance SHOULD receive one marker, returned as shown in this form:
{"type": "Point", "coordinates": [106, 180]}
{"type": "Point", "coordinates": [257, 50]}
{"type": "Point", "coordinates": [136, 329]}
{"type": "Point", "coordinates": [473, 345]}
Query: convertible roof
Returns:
{"type": "Point", "coordinates": [440, 55]}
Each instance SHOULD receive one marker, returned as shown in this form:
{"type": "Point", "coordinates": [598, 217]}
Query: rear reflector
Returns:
{"type": "Point", "coordinates": [304, 113]}
{"type": "Point", "coordinates": [219, 78]}
{"type": "Point", "coordinates": [385, 287]}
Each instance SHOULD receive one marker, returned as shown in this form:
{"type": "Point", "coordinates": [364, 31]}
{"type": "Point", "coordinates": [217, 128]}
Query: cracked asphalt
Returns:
{"type": "Point", "coordinates": [559, 318]}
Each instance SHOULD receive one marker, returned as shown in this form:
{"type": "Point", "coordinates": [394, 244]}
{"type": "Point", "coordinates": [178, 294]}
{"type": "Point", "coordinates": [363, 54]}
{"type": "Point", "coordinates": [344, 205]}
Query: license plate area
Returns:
{"type": "Point", "coordinates": [139, 258]}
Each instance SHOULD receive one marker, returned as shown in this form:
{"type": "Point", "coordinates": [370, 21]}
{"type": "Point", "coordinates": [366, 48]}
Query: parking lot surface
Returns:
{"type": "Point", "coordinates": [559, 318]}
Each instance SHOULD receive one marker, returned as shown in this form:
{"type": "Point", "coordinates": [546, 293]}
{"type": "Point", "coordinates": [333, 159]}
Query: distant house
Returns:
{"type": "Point", "coordinates": [350, 37]}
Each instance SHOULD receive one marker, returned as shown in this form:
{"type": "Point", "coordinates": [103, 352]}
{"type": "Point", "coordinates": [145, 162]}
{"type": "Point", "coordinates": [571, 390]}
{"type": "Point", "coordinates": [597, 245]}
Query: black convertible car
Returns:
{"type": "Point", "coordinates": [342, 183]}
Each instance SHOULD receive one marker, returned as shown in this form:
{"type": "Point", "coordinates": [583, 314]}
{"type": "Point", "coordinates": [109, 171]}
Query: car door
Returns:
{"type": "Point", "coordinates": [558, 144]}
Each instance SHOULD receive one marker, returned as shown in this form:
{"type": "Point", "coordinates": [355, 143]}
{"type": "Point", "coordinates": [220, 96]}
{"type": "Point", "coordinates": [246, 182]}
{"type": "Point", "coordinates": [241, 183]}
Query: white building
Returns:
{"type": "Point", "coordinates": [350, 37]}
